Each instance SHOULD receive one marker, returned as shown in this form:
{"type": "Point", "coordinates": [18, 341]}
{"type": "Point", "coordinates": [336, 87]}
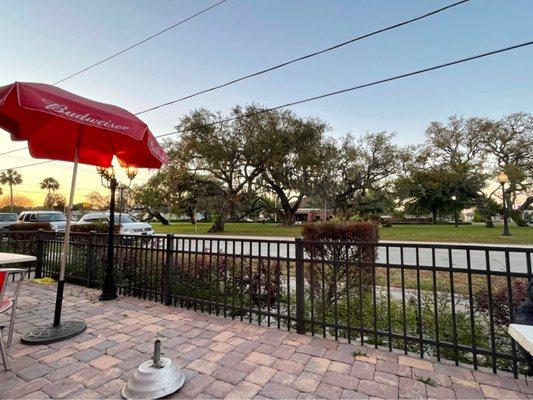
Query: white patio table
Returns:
{"type": "Point", "coordinates": [523, 334]}
{"type": "Point", "coordinates": [10, 258]}
{"type": "Point", "coordinates": [10, 304]}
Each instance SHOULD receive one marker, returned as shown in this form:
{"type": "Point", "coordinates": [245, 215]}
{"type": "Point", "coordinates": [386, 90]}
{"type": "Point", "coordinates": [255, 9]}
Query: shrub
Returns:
{"type": "Point", "coordinates": [223, 279]}
{"type": "Point", "coordinates": [99, 228]}
{"type": "Point", "coordinates": [500, 300]}
{"type": "Point", "coordinates": [22, 238]}
{"type": "Point", "coordinates": [343, 231]}
{"type": "Point", "coordinates": [385, 223]}
{"type": "Point", "coordinates": [30, 226]}
{"type": "Point", "coordinates": [341, 264]}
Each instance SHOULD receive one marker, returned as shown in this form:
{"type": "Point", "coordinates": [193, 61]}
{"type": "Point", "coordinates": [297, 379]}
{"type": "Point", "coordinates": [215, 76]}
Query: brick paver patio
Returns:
{"type": "Point", "coordinates": [221, 358]}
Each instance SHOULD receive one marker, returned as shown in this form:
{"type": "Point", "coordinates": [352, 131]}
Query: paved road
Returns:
{"type": "Point", "coordinates": [283, 247]}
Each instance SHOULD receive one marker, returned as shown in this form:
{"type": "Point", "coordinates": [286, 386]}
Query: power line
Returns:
{"type": "Point", "coordinates": [13, 151]}
{"type": "Point", "coordinates": [27, 165]}
{"type": "Point", "coordinates": [56, 192]}
{"type": "Point", "coordinates": [365, 85]}
{"type": "Point", "coordinates": [341, 91]}
{"type": "Point", "coordinates": [141, 42]}
{"type": "Point", "coordinates": [39, 163]}
{"type": "Point", "coordinates": [263, 71]}
{"type": "Point", "coordinates": [60, 189]}
{"type": "Point", "coordinates": [305, 57]}
{"type": "Point", "coordinates": [123, 51]}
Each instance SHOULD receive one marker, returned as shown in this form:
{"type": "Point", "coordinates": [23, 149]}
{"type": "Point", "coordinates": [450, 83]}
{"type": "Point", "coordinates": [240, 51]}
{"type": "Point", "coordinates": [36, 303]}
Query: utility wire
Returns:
{"type": "Point", "coordinates": [13, 151]}
{"type": "Point", "coordinates": [125, 50]}
{"type": "Point", "coordinates": [141, 42]}
{"type": "Point", "coordinates": [42, 162]}
{"type": "Point", "coordinates": [27, 165]}
{"type": "Point", "coordinates": [353, 88]}
{"type": "Point", "coordinates": [365, 85]}
{"type": "Point", "coordinates": [263, 71]}
{"type": "Point", "coordinates": [305, 57]}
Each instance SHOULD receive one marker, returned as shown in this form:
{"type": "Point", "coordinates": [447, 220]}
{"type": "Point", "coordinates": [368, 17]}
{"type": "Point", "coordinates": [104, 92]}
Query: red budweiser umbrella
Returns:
{"type": "Point", "coordinates": [56, 123]}
{"type": "Point", "coordinates": [59, 125]}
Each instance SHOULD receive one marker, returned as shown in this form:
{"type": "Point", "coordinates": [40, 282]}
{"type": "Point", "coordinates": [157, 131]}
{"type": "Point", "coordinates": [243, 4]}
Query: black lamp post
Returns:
{"type": "Point", "coordinates": [107, 176]}
{"type": "Point", "coordinates": [502, 179]}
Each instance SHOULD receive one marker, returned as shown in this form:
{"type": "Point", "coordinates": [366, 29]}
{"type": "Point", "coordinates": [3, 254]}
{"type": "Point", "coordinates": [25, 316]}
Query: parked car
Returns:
{"type": "Point", "coordinates": [56, 218]}
{"type": "Point", "coordinates": [129, 225]}
{"type": "Point", "coordinates": [7, 219]}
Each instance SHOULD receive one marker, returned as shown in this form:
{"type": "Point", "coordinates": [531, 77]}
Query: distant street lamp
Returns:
{"type": "Point", "coordinates": [502, 179]}
{"type": "Point", "coordinates": [455, 216]}
{"type": "Point", "coordinates": [108, 179]}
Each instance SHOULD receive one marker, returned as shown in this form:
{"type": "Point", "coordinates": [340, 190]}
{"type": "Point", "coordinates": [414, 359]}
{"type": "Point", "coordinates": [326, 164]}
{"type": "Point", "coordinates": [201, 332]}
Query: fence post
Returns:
{"type": "Point", "coordinates": [300, 286]}
{"type": "Point", "coordinates": [169, 265]}
{"type": "Point", "coordinates": [90, 266]}
{"type": "Point", "coordinates": [39, 254]}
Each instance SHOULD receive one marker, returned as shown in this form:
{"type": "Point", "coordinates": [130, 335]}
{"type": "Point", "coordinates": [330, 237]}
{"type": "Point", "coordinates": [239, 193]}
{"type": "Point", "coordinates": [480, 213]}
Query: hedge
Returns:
{"type": "Point", "coordinates": [86, 228]}
{"type": "Point", "coordinates": [344, 231]}
{"type": "Point", "coordinates": [30, 226]}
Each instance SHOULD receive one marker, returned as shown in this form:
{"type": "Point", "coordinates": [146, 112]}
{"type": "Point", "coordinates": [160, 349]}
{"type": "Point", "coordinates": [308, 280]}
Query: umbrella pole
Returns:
{"type": "Point", "coordinates": [60, 331]}
{"type": "Point", "coordinates": [66, 239]}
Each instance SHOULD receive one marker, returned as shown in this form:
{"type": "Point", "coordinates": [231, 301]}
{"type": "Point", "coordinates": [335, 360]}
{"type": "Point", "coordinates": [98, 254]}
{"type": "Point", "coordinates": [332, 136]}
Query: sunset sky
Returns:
{"type": "Point", "coordinates": [44, 41]}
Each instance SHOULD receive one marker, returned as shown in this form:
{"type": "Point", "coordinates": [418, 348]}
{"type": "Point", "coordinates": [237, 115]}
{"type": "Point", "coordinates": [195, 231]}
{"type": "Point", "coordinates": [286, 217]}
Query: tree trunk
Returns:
{"type": "Point", "coordinates": [288, 210]}
{"type": "Point", "coordinates": [218, 225]}
{"type": "Point", "coordinates": [434, 215]}
{"type": "Point", "coordinates": [160, 218]}
{"type": "Point", "coordinates": [518, 219]}
{"type": "Point", "coordinates": [192, 214]}
{"type": "Point", "coordinates": [516, 215]}
{"type": "Point", "coordinates": [488, 222]}
{"type": "Point", "coordinates": [11, 197]}
{"type": "Point", "coordinates": [157, 215]}
{"type": "Point", "coordinates": [526, 204]}
{"type": "Point", "coordinates": [288, 217]}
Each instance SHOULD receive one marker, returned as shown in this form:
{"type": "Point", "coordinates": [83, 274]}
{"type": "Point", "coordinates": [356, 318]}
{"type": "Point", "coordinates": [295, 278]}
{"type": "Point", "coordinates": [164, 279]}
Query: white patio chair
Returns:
{"type": "Point", "coordinates": [9, 303]}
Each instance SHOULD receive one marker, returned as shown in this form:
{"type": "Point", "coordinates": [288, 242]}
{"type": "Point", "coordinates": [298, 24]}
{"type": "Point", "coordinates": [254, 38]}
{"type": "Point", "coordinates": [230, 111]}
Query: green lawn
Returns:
{"type": "Point", "coordinates": [231, 228]}
{"type": "Point", "coordinates": [423, 233]}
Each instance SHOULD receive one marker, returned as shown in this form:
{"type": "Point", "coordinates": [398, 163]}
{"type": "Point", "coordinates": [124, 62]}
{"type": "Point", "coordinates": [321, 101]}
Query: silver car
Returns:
{"type": "Point", "coordinates": [128, 224]}
{"type": "Point", "coordinates": [7, 219]}
{"type": "Point", "coordinates": [55, 218]}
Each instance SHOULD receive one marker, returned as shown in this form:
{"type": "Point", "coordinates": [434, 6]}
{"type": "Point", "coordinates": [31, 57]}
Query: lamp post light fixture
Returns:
{"type": "Point", "coordinates": [108, 179]}
{"type": "Point", "coordinates": [502, 179]}
{"type": "Point", "coordinates": [131, 173]}
{"type": "Point", "coordinates": [455, 216]}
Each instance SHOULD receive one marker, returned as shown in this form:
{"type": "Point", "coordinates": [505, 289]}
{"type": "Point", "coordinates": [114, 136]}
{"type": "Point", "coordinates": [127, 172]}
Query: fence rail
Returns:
{"type": "Point", "coordinates": [436, 300]}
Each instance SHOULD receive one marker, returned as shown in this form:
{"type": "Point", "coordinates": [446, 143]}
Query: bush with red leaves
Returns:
{"type": "Point", "coordinates": [500, 300]}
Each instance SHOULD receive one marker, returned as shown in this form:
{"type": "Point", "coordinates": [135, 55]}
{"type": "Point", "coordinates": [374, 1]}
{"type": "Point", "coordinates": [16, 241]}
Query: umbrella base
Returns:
{"type": "Point", "coordinates": [150, 382]}
{"type": "Point", "coordinates": [51, 334]}
{"type": "Point", "coordinates": [107, 296]}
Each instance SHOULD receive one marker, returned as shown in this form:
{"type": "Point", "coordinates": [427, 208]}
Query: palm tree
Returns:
{"type": "Point", "coordinates": [12, 178]}
{"type": "Point", "coordinates": [50, 184]}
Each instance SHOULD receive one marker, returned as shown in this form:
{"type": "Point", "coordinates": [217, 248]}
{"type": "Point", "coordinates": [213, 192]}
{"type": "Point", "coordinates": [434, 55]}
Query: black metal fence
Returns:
{"type": "Point", "coordinates": [436, 300]}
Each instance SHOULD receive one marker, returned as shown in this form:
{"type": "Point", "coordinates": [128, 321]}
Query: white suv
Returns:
{"type": "Point", "coordinates": [55, 218]}
{"type": "Point", "coordinates": [128, 224]}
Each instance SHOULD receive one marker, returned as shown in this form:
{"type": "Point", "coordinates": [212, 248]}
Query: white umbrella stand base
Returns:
{"type": "Point", "coordinates": [154, 379]}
